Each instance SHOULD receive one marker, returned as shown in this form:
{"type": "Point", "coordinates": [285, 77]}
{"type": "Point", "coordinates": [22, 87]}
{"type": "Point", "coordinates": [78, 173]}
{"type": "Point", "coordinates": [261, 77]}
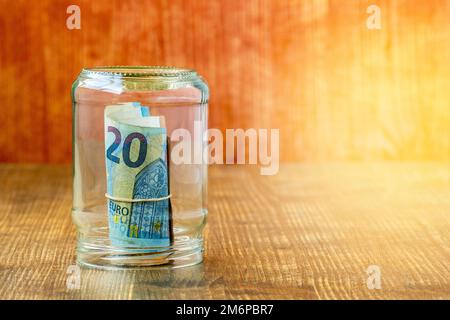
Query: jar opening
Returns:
{"type": "Point", "coordinates": [140, 71]}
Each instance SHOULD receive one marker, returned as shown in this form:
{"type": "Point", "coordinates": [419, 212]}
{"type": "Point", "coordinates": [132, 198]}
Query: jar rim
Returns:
{"type": "Point", "coordinates": [148, 72]}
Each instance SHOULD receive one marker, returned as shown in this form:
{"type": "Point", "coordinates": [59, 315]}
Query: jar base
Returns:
{"type": "Point", "coordinates": [108, 258]}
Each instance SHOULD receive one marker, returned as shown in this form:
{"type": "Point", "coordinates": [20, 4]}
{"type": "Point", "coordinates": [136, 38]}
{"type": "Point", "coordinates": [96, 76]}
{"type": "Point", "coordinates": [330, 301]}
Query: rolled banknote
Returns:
{"type": "Point", "coordinates": [138, 196]}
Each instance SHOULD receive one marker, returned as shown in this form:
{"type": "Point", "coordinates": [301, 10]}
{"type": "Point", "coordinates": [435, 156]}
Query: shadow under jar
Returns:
{"type": "Point", "coordinates": [140, 178]}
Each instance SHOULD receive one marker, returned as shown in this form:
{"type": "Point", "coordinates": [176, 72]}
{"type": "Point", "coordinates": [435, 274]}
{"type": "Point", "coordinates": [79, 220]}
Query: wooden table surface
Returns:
{"type": "Point", "coordinates": [310, 232]}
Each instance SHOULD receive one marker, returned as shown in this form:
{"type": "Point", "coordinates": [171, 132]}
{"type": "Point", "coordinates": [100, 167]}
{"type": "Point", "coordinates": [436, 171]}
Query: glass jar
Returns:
{"type": "Point", "coordinates": [140, 173]}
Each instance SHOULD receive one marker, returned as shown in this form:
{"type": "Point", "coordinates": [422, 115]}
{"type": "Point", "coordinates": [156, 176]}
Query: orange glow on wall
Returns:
{"type": "Point", "coordinates": [336, 89]}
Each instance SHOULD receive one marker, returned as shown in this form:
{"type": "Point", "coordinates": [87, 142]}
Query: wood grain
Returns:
{"type": "Point", "coordinates": [309, 232]}
{"type": "Point", "coordinates": [337, 90]}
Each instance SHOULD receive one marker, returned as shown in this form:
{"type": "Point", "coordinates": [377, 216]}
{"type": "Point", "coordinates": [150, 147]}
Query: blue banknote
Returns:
{"type": "Point", "coordinates": [137, 169]}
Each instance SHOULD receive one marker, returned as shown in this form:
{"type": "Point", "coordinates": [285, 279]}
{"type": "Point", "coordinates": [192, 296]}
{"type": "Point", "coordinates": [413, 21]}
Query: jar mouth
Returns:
{"type": "Point", "coordinates": [140, 72]}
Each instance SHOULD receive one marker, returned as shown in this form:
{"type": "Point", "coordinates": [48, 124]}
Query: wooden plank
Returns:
{"type": "Point", "coordinates": [309, 232]}
{"type": "Point", "coordinates": [337, 90]}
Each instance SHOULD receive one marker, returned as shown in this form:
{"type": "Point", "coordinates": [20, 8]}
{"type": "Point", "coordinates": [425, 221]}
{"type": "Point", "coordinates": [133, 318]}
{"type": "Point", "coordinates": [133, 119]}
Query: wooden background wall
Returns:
{"type": "Point", "coordinates": [336, 90]}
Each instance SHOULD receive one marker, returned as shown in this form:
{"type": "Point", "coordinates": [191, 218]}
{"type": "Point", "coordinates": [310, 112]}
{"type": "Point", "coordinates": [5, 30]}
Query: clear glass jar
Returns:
{"type": "Point", "coordinates": [136, 203]}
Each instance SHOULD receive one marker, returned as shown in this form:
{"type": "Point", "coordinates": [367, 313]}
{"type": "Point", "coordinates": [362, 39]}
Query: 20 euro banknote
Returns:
{"type": "Point", "coordinates": [137, 169]}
